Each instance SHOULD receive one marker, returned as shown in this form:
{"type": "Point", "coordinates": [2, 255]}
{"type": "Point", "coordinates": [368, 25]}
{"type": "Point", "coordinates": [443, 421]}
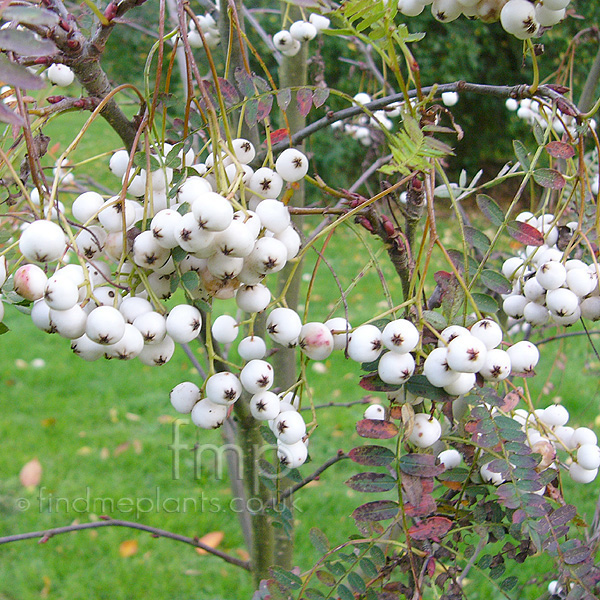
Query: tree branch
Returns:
{"type": "Point", "coordinates": [501, 91]}
{"type": "Point", "coordinates": [49, 533]}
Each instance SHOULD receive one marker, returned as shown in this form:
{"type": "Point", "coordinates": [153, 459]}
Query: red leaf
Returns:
{"type": "Point", "coordinates": [304, 101]}
{"type": "Point", "coordinates": [431, 529]}
{"type": "Point", "coordinates": [279, 135]}
{"type": "Point", "coordinates": [378, 430]}
{"type": "Point", "coordinates": [524, 233]}
{"type": "Point", "coordinates": [560, 150]}
{"type": "Point", "coordinates": [510, 401]}
{"type": "Point", "coordinates": [420, 465]}
{"type": "Point", "coordinates": [264, 108]}
{"type": "Point", "coordinates": [373, 383]}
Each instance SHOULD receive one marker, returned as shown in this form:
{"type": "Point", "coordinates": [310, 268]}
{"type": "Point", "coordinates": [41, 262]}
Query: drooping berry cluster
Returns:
{"type": "Point", "coordinates": [521, 18]}
{"type": "Point", "coordinates": [289, 42]}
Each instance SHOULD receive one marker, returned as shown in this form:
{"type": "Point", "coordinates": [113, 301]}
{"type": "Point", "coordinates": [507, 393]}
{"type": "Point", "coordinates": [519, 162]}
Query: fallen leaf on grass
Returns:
{"type": "Point", "coordinates": [164, 419]}
{"type": "Point", "coordinates": [128, 548]}
{"type": "Point", "coordinates": [31, 473]}
{"type": "Point", "coordinates": [243, 554]}
{"type": "Point", "coordinates": [84, 451]}
{"type": "Point", "coordinates": [212, 539]}
{"type": "Point", "coordinates": [121, 448]}
{"type": "Point", "coordinates": [45, 592]}
{"type": "Point", "coordinates": [132, 417]}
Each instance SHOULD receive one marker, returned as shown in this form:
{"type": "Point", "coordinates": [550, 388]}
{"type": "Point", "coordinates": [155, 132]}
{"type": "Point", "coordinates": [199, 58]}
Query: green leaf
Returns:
{"type": "Point", "coordinates": [485, 303]}
{"type": "Point", "coordinates": [377, 555]}
{"type": "Point", "coordinates": [4, 329]}
{"type": "Point", "coordinates": [251, 114]}
{"type": "Point", "coordinates": [477, 239]}
{"type": "Point", "coordinates": [178, 254]}
{"type": "Point", "coordinates": [368, 568]}
{"type": "Point", "coordinates": [244, 81]}
{"type": "Point", "coordinates": [173, 283]}
{"type": "Point", "coordinates": [538, 133]}
{"type": "Point", "coordinates": [435, 319]}
{"type": "Point", "coordinates": [345, 593]}
{"type": "Point", "coordinates": [285, 578]}
{"type": "Point", "coordinates": [490, 209]}
{"type": "Point", "coordinates": [522, 154]}
{"type": "Point", "coordinates": [284, 97]}
{"type": "Point", "coordinates": [19, 76]}
{"type": "Point", "coordinates": [495, 281]}
{"type": "Point", "coordinates": [319, 540]}
{"type": "Point", "coordinates": [420, 386]}
{"type": "Point", "coordinates": [314, 594]}
{"type": "Point", "coordinates": [190, 280]}
{"type": "Point", "coordinates": [268, 435]}
{"type": "Point", "coordinates": [326, 578]}
{"type": "Point", "coordinates": [357, 583]}
{"type": "Point", "coordinates": [509, 583]}
{"type": "Point", "coordinates": [420, 465]}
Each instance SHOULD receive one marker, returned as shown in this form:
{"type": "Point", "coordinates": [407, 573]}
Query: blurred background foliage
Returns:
{"type": "Point", "coordinates": [462, 50]}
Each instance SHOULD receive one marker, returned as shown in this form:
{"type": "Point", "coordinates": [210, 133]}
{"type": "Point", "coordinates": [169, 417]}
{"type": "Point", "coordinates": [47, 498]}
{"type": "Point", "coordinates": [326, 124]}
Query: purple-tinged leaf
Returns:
{"type": "Point", "coordinates": [32, 15]}
{"type": "Point", "coordinates": [284, 97]}
{"type": "Point", "coordinates": [476, 238]}
{"type": "Point", "coordinates": [326, 578]}
{"type": "Point", "coordinates": [320, 96]}
{"type": "Point", "coordinates": [371, 482]}
{"type": "Point", "coordinates": [490, 209]}
{"type": "Point", "coordinates": [576, 555]}
{"type": "Point", "coordinates": [421, 508]}
{"type": "Point", "coordinates": [19, 76]}
{"type": "Point", "coordinates": [261, 84]}
{"type": "Point", "coordinates": [380, 510]}
{"type": "Point", "coordinates": [420, 465]}
{"type": "Point", "coordinates": [566, 107]}
{"type": "Point", "coordinates": [304, 98]}
{"type": "Point", "coordinates": [560, 150]}
{"type": "Point", "coordinates": [562, 515]}
{"type": "Point", "coordinates": [378, 430]}
{"type": "Point", "coordinates": [525, 233]}
{"type": "Point", "coordinates": [244, 81]}
{"type": "Point", "coordinates": [264, 108]}
{"type": "Point", "coordinates": [251, 112]}
{"type": "Point", "coordinates": [10, 117]}
{"type": "Point", "coordinates": [373, 383]}
{"type": "Point", "coordinates": [25, 42]}
{"type": "Point", "coordinates": [372, 456]}
{"type": "Point", "coordinates": [549, 178]}
{"type": "Point", "coordinates": [230, 94]}
{"type": "Point", "coordinates": [432, 528]}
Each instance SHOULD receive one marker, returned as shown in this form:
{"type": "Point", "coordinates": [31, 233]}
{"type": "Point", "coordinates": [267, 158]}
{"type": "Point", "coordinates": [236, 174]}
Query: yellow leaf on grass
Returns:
{"type": "Point", "coordinates": [121, 448]}
{"type": "Point", "coordinates": [212, 539]}
{"type": "Point", "coordinates": [84, 451]}
{"type": "Point", "coordinates": [45, 592]}
{"type": "Point", "coordinates": [31, 473]}
{"type": "Point", "coordinates": [128, 548]}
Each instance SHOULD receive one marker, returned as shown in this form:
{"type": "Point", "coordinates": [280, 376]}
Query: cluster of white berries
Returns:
{"type": "Point", "coordinates": [462, 354]}
{"type": "Point", "coordinates": [101, 303]}
{"type": "Point", "coordinates": [362, 127]}
{"type": "Point", "coordinates": [521, 18]}
{"type": "Point", "coordinates": [532, 111]}
{"type": "Point", "coordinates": [209, 29]}
{"type": "Point", "coordinates": [60, 75]}
{"type": "Point", "coordinates": [547, 285]}
{"type": "Point", "coordinates": [289, 42]}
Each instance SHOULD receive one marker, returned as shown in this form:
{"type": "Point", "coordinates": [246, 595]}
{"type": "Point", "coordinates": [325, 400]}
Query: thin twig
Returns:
{"type": "Point", "coordinates": [567, 335]}
{"type": "Point", "coordinates": [341, 455]}
{"type": "Point", "coordinates": [49, 533]}
{"type": "Point", "coordinates": [194, 360]}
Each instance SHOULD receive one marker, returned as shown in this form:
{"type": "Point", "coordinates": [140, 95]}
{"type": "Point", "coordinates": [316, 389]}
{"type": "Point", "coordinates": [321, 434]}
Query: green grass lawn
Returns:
{"type": "Point", "coordinates": [101, 432]}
